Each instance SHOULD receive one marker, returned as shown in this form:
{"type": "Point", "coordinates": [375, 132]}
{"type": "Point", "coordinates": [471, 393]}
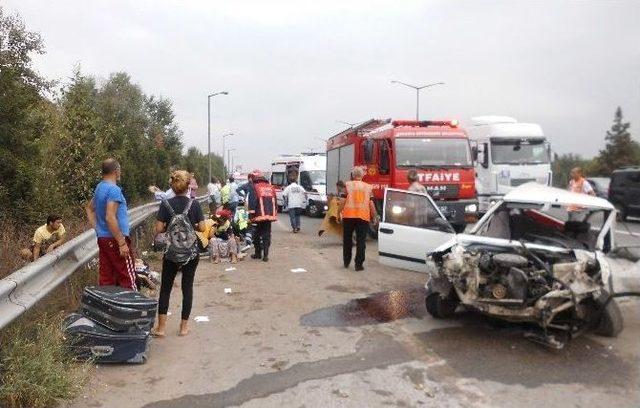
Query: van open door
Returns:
{"type": "Point", "coordinates": [412, 227]}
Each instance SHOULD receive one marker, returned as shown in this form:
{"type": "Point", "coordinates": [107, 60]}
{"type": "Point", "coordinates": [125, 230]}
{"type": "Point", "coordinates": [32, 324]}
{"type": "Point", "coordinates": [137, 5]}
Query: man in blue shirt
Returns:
{"type": "Point", "coordinates": [107, 213]}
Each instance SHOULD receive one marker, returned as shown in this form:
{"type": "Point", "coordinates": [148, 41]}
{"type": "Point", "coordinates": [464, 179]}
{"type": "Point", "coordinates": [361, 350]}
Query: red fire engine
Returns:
{"type": "Point", "coordinates": [438, 150]}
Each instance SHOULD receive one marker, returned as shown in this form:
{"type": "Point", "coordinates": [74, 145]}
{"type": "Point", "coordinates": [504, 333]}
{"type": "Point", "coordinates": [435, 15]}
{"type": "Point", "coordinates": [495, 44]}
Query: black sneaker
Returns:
{"type": "Point", "coordinates": [359, 268]}
{"type": "Point", "coordinates": [265, 259]}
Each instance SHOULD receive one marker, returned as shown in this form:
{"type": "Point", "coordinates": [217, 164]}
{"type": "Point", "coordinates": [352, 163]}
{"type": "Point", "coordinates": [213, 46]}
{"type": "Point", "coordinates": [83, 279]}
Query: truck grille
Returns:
{"type": "Point", "coordinates": [443, 190]}
{"type": "Point", "coordinates": [521, 181]}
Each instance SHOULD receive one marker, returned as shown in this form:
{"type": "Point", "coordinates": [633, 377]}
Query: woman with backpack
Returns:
{"type": "Point", "coordinates": [180, 217]}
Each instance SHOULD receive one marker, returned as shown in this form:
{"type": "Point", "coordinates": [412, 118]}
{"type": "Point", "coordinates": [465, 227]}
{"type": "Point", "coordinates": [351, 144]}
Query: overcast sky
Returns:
{"type": "Point", "coordinates": [294, 68]}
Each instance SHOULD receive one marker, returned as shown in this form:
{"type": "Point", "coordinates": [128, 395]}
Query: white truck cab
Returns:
{"type": "Point", "coordinates": [312, 176]}
{"type": "Point", "coordinates": [507, 154]}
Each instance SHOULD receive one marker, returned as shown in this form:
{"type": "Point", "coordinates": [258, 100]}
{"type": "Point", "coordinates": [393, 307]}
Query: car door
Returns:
{"type": "Point", "coordinates": [412, 227]}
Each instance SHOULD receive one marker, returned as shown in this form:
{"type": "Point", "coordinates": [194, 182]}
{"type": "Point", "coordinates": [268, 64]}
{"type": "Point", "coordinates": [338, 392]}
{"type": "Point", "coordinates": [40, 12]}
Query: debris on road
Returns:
{"type": "Point", "coordinates": [231, 269]}
{"type": "Point", "coordinates": [201, 319]}
{"type": "Point", "coordinates": [227, 291]}
{"type": "Point", "coordinates": [298, 270]}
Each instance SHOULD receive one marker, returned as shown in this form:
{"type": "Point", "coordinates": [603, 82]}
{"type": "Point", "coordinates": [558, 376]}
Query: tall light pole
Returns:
{"type": "Point", "coordinates": [418, 89]}
{"type": "Point", "coordinates": [224, 170]}
{"type": "Point", "coordinates": [209, 127]}
{"type": "Point", "coordinates": [229, 160]}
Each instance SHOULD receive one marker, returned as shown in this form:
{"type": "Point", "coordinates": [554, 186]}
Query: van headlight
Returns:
{"type": "Point", "coordinates": [471, 208]}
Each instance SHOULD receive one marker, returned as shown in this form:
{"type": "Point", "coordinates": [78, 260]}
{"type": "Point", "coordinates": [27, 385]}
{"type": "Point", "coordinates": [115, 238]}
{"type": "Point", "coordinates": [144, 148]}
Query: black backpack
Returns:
{"type": "Point", "coordinates": [181, 238]}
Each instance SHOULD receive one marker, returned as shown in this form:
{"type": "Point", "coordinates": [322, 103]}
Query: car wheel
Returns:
{"type": "Point", "coordinates": [611, 322]}
{"type": "Point", "coordinates": [313, 210]}
{"type": "Point", "coordinates": [440, 307]}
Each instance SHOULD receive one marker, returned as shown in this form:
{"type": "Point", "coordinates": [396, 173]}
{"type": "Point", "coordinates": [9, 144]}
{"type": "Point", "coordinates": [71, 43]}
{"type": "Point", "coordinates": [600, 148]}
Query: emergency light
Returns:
{"type": "Point", "coordinates": [425, 123]}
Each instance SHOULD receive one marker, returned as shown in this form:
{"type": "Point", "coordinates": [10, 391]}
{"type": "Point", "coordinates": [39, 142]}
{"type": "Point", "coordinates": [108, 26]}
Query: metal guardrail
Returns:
{"type": "Point", "coordinates": [26, 286]}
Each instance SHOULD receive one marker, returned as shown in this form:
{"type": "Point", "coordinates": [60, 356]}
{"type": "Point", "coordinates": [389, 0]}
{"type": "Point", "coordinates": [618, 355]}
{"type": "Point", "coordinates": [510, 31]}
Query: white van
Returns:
{"type": "Point", "coordinates": [508, 154]}
{"type": "Point", "coordinates": [312, 176]}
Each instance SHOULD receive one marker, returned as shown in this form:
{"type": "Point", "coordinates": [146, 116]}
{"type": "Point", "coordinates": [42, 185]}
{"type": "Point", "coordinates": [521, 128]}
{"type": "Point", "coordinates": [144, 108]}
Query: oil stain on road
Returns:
{"type": "Point", "coordinates": [377, 308]}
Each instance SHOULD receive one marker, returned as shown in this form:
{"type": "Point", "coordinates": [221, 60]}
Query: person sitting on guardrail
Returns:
{"type": "Point", "coordinates": [46, 238]}
{"type": "Point", "coordinates": [107, 213]}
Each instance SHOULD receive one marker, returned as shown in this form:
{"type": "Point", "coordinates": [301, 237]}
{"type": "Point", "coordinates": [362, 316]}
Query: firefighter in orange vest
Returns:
{"type": "Point", "coordinates": [578, 184]}
{"type": "Point", "coordinates": [357, 211]}
{"type": "Point", "coordinates": [261, 202]}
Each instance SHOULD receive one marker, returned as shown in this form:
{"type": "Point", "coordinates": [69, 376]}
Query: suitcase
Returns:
{"type": "Point", "coordinates": [88, 340]}
{"type": "Point", "coordinates": [119, 309]}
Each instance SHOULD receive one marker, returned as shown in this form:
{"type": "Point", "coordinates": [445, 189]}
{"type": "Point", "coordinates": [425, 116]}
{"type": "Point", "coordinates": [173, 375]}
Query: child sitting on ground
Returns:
{"type": "Point", "coordinates": [223, 243]}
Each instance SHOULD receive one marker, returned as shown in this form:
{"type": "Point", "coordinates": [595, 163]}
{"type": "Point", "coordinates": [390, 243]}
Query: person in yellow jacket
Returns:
{"type": "Point", "coordinates": [356, 212]}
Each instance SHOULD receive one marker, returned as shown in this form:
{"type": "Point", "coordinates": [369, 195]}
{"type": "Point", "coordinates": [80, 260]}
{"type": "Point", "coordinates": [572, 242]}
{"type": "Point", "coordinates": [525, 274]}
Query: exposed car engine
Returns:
{"type": "Point", "coordinates": [562, 292]}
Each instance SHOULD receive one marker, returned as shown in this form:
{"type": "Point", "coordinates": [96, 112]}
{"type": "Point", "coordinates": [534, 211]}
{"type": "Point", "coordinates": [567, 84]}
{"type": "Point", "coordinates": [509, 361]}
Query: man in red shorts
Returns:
{"type": "Point", "coordinates": [107, 213]}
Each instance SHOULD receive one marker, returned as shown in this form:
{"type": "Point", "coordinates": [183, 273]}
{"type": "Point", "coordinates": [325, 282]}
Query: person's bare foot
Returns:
{"type": "Point", "coordinates": [160, 329]}
{"type": "Point", "coordinates": [184, 328]}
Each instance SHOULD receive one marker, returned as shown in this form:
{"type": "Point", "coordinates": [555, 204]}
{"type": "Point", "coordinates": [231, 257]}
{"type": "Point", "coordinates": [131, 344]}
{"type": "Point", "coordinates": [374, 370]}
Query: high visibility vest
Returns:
{"type": "Point", "coordinates": [357, 201]}
{"type": "Point", "coordinates": [267, 208]}
{"type": "Point", "coordinates": [225, 193]}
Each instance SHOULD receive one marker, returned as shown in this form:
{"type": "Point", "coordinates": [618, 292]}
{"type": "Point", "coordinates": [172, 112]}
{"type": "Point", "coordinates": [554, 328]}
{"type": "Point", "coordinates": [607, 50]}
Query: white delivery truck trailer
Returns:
{"type": "Point", "coordinates": [312, 176]}
{"type": "Point", "coordinates": [507, 154]}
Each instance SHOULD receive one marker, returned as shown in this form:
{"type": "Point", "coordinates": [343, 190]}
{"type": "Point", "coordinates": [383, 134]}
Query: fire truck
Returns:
{"type": "Point", "coordinates": [387, 149]}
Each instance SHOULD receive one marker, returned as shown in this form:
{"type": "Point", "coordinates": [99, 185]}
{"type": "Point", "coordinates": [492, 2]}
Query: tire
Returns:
{"type": "Point", "coordinates": [313, 210]}
{"type": "Point", "coordinates": [440, 307]}
{"type": "Point", "coordinates": [611, 322]}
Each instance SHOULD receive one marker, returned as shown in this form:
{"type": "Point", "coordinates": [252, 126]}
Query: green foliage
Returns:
{"type": "Point", "coordinates": [50, 151]}
{"type": "Point", "coordinates": [562, 165]}
{"type": "Point", "coordinates": [35, 369]}
{"type": "Point", "coordinates": [22, 120]}
{"type": "Point", "coordinates": [620, 149]}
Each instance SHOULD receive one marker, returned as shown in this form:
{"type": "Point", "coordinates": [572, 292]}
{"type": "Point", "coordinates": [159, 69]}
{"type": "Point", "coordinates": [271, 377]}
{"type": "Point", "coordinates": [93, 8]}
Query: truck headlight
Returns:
{"type": "Point", "coordinates": [471, 208]}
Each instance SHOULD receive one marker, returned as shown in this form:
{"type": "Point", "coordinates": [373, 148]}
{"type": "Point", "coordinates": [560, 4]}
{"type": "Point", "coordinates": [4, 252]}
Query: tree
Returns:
{"type": "Point", "coordinates": [620, 149]}
{"type": "Point", "coordinates": [23, 112]}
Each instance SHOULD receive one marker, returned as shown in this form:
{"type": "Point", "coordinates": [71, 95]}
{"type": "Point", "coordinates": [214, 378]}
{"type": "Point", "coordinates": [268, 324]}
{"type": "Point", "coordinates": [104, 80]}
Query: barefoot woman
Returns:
{"type": "Point", "coordinates": [180, 185]}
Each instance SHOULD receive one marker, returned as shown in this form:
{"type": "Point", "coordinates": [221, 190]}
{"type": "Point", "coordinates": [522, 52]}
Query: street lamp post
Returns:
{"type": "Point", "coordinates": [224, 170]}
{"type": "Point", "coordinates": [418, 89]}
{"type": "Point", "coordinates": [229, 160]}
{"type": "Point", "coordinates": [209, 127]}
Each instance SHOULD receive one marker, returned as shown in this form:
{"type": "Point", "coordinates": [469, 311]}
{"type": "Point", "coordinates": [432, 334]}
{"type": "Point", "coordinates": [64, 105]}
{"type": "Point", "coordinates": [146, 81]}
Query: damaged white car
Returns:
{"type": "Point", "coordinates": [537, 256]}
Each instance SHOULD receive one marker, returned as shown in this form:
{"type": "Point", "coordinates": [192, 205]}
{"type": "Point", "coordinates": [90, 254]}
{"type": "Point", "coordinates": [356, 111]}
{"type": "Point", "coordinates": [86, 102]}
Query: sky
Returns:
{"type": "Point", "coordinates": [293, 69]}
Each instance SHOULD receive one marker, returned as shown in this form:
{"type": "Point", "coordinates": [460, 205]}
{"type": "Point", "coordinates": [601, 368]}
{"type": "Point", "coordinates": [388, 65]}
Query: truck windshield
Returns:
{"type": "Point", "coordinates": [519, 151]}
{"type": "Point", "coordinates": [316, 177]}
{"type": "Point", "coordinates": [432, 152]}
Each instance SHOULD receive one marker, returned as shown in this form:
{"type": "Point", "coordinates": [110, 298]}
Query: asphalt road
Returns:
{"type": "Point", "coordinates": [331, 337]}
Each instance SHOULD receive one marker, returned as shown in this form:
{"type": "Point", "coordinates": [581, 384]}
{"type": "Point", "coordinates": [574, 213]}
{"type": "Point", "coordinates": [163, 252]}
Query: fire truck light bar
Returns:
{"type": "Point", "coordinates": [425, 123]}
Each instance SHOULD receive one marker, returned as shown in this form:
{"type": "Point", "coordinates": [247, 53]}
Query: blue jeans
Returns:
{"type": "Point", "coordinates": [294, 217]}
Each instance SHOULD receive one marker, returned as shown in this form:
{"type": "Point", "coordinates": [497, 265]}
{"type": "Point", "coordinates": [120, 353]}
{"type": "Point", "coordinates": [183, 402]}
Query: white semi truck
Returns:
{"type": "Point", "coordinates": [507, 154]}
{"type": "Point", "coordinates": [312, 176]}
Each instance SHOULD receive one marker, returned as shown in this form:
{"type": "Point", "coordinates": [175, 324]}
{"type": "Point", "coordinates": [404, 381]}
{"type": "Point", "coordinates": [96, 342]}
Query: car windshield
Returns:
{"type": "Point", "coordinates": [432, 152]}
{"type": "Point", "coordinates": [519, 151]}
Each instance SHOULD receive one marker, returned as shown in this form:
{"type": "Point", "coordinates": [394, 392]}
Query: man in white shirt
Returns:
{"type": "Point", "coordinates": [296, 201]}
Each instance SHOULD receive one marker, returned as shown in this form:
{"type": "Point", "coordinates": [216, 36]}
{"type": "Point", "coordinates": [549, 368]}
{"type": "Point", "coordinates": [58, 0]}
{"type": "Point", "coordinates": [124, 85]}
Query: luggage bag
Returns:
{"type": "Point", "coordinates": [89, 340]}
{"type": "Point", "coordinates": [119, 309]}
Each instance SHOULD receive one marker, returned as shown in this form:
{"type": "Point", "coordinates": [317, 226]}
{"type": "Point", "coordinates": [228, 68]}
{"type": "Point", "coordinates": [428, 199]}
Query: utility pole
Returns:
{"type": "Point", "coordinates": [209, 128]}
